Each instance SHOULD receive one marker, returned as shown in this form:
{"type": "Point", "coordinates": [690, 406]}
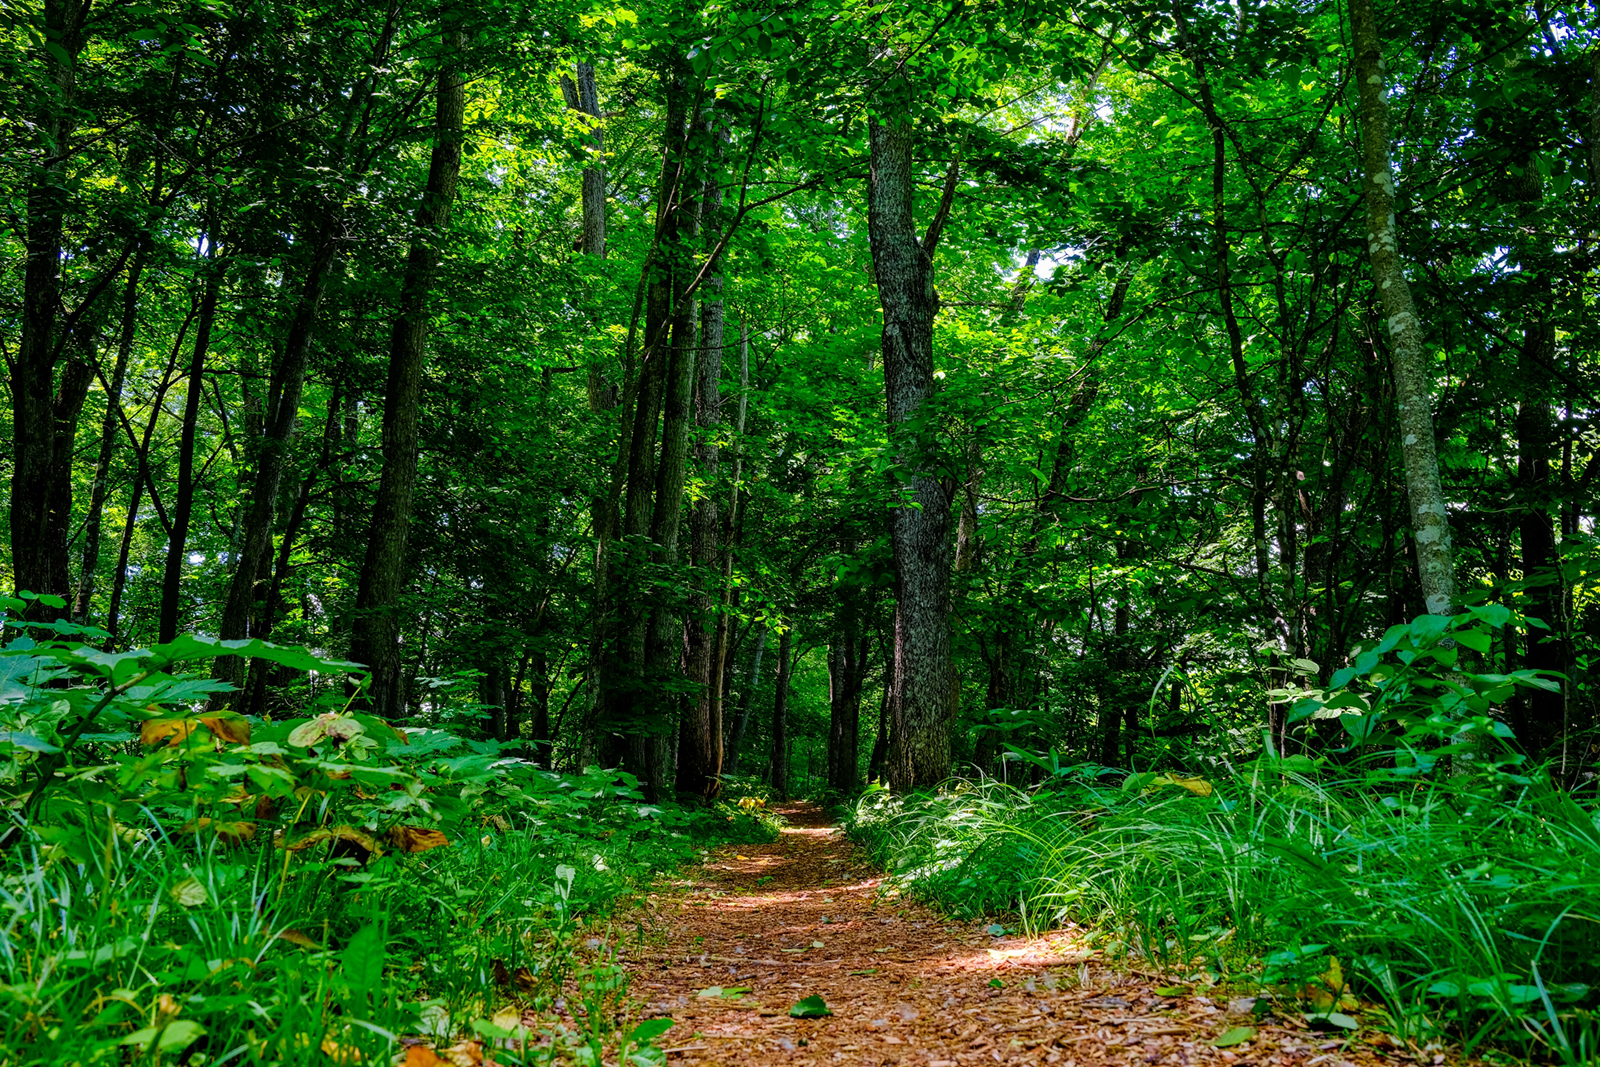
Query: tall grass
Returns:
{"type": "Point", "coordinates": [1454, 904]}
{"type": "Point", "coordinates": [184, 950]}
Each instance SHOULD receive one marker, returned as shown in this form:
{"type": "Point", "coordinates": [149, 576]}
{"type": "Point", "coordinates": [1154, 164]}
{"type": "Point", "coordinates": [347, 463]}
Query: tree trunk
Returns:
{"type": "Point", "coordinates": [920, 526]}
{"type": "Point", "coordinates": [376, 640]}
{"type": "Point", "coordinates": [109, 425]}
{"type": "Point", "coordinates": [700, 736]}
{"type": "Point", "coordinates": [746, 699]}
{"type": "Point", "coordinates": [183, 505]}
{"type": "Point", "coordinates": [33, 386]}
{"type": "Point", "coordinates": [846, 665]}
{"type": "Point", "coordinates": [1413, 385]}
{"type": "Point", "coordinates": [780, 714]}
{"type": "Point", "coordinates": [621, 682]}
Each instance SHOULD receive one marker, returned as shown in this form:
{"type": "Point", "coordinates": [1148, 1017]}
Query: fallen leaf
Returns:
{"type": "Point", "coordinates": [1236, 1036]}
{"type": "Point", "coordinates": [423, 1056]}
{"type": "Point", "coordinates": [1173, 991]}
{"type": "Point", "coordinates": [416, 839]}
{"type": "Point", "coordinates": [508, 1018]}
{"type": "Point", "coordinates": [338, 1053]}
{"type": "Point", "coordinates": [189, 892]}
{"type": "Point", "coordinates": [295, 937]}
{"type": "Point", "coordinates": [810, 1008]}
{"type": "Point", "coordinates": [1332, 1020]}
{"type": "Point", "coordinates": [818, 944]}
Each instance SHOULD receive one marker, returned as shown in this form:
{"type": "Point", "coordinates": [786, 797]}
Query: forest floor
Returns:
{"type": "Point", "coordinates": [736, 942]}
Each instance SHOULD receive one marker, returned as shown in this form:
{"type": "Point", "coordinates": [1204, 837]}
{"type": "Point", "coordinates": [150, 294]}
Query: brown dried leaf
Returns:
{"type": "Point", "coordinates": [416, 839]}
{"type": "Point", "coordinates": [295, 937]}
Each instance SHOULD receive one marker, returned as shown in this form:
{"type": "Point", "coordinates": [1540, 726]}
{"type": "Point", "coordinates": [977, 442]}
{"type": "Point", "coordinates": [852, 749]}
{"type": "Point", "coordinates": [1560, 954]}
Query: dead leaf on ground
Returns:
{"type": "Point", "coordinates": [416, 839]}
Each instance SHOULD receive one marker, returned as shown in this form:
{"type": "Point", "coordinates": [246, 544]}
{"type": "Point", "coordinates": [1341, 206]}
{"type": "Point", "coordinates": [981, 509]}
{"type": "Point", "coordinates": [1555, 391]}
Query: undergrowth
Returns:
{"type": "Point", "coordinates": [184, 885]}
{"type": "Point", "coordinates": [1374, 885]}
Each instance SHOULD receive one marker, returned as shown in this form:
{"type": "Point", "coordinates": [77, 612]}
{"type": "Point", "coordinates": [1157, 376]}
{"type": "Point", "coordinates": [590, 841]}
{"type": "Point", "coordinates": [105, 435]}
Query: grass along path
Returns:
{"type": "Point", "coordinates": [769, 925]}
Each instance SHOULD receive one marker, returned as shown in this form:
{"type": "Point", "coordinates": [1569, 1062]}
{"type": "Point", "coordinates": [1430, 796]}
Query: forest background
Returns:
{"type": "Point", "coordinates": [820, 392]}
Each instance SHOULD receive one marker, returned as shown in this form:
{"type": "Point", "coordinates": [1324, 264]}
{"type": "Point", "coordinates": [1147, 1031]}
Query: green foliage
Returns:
{"type": "Point", "coordinates": [1458, 901]}
{"type": "Point", "coordinates": [183, 880]}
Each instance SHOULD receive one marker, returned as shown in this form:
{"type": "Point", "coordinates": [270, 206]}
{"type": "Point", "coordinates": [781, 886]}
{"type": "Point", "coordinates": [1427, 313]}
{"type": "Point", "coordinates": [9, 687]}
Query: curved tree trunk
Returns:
{"type": "Point", "coordinates": [1413, 384]}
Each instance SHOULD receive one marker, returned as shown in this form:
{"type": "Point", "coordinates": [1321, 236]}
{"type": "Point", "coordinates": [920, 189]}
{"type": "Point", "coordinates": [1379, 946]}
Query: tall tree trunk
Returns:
{"type": "Point", "coordinates": [1413, 385]}
{"type": "Point", "coordinates": [623, 624]}
{"type": "Point", "coordinates": [780, 713]}
{"type": "Point", "coordinates": [376, 638]}
{"type": "Point", "coordinates": [324, 228]}
{"type": "Point", "coordinates": [33, 386]}
{"type": "Point", "coordinates": [920, 526]}
{"type": "Point", "coordinates": [700, 736]}
{"type": "Point", "coordinates": [183, 505]}
{"type": "Point", "coordinates": [109, 426]}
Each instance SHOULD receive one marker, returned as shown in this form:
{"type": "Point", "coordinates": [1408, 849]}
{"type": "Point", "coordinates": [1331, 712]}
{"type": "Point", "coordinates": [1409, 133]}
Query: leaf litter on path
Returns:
{"type": "Point", "coordinates": [905, 985]}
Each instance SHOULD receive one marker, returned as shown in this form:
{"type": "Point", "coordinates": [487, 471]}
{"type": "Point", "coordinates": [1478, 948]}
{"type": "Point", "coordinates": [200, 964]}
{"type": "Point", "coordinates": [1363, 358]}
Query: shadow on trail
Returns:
{"type": "Point", "coordinates": [760, 927]}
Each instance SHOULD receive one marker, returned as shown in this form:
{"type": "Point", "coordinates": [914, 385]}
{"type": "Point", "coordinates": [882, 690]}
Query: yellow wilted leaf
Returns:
{"type": "Point", "coordinates": [1198, 786]}
{"type": "Point", "coordinates": [153, 732]}
{"type": "Point", "coordinates": [341, 1054]}
{"type": "Point", "coordinates": [228, 726]}
{"type": "Point", "coordinates": [508, 1017]}
{"type": "Point", "coordinates": [416, 838]}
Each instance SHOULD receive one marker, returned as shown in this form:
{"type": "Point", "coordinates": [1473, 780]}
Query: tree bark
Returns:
{"type": "Point", "coordinates": [183, 505]}
{"type": "Point", "coordinates": [1413, 385]}
{"type": "Point", "coordinates": [376, 638]}
{"type": "Point", "coordinates": [746, 699]}
{"type": "Point", "coordinates": [920, 524]}
{"type": "Point", "coordinates": [780, 714]}
{"type": "Point", "coordinates": [109, 425]}
{"type": "Point", "coordinates": [700, 736]}
{"type": "Point", "coordinates": [33, 385]}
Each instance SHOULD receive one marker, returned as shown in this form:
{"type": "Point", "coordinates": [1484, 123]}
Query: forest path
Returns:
{"type": "Point", "coordinates": [806, 916]}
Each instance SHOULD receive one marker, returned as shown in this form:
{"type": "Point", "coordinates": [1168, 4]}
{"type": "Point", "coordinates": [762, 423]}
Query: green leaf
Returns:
{"type": "Point", "coordinates": [649, 1030]}
{"type": "Point", "coordinates": [1237, 1036]}
{"type": "Point", "coordinates": [810, 1008]}
{"type": "Point", "coordinates": [996, 983]}
{"type": "Point", "coordinates": [361, 962]}
{"type": "Point", "coordinates": [1332, 1020]}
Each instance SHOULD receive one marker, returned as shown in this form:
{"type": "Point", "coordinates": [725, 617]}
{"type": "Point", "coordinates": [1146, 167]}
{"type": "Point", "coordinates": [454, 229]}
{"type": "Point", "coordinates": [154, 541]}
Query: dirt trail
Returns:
{"type": "Point", "coordinates": [805, 916]}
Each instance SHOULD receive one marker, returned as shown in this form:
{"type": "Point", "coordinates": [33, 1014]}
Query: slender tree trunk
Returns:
{"type": "Point", "coordinates": [109, 426]}
{"type": "Point", "coordinates": [1413, 385]}
{"type": "Point", "coordinates": [624, 625]}
{"type": "Point", "coordinates": [700, 737]}
{"type": "Point", "coordinates": [920, 526]}
{"type": "Point", "coordinates": [323, 235]}
{"type": "Point", "coordinates": [183, 505]}
{"type": "Point", "coordinates": [780, 714]}
{"type": "Point", "coordinates": [376, 639]}
{"type": "Point", "coordinates": [746, 700]}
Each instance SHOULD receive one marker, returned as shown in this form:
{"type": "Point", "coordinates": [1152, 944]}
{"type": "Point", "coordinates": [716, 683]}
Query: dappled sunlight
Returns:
{"type": "Point", "coordinates": [768, 926]}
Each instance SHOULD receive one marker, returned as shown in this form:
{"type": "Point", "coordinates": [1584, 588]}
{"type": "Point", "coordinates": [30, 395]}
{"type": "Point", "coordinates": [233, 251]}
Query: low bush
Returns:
{"type": "Point", "coordinates": [184, 885]}
{"type": "Point", "coordinates": [1466, 902]}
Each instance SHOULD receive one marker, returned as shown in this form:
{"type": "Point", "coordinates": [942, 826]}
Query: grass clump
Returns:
{"type": "Point", "coordinates": [1373, 879]}
{"type": "Point", "coordinates": [182, 884]}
